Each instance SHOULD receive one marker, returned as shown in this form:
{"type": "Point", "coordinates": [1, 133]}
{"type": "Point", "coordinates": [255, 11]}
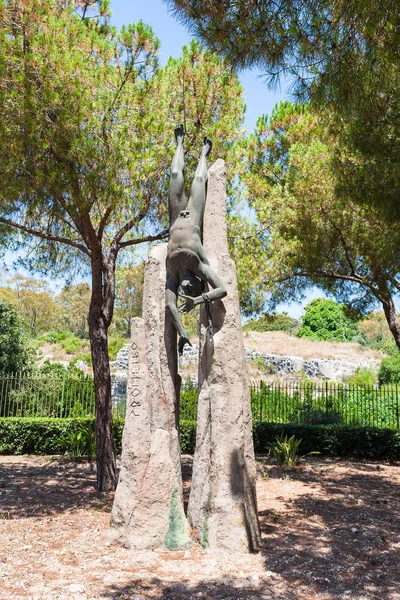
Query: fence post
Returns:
{"type": "Point", "coordinates": [62, 395]}
{"type": "Point", "coordinates": [397, 406]}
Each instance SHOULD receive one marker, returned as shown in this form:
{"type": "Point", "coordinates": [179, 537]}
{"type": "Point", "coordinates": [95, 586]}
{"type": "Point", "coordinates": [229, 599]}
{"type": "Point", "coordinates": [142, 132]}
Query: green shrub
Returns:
{"type": "Point", "coordinates": [188, 400]}
{"type": "Point", "coordinates": [50, 436]}
{"type": "Point", "coordinates": [71, 344]}
{"type": "Point", "coordinates": [389, 371]}
{"type": "Point", "coordinates": [285, 450]}
{"type": "Point", "coordinates": [51, 390]}
{"type": "Point", "coordinates": [331, 440]}
{"type": "Point", "coordinates": [326, 320]}
{"type": "Point", "coordinates": [273, 322]}
{"type": "Point", "coordinates": [83, 356]}
{"type": "Point", "coordinates": [114, 346]}
{"type": "Point", "coordinates": [16, 354]}
{"type": "Point", "coordinates": [362, 376]}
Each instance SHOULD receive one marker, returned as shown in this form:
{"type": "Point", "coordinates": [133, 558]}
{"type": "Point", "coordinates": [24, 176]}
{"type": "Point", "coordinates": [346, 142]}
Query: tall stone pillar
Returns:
{"type": "Point", "coordinates": [148, 506]}
{"type": "Point", "coordinates": [222, 505]}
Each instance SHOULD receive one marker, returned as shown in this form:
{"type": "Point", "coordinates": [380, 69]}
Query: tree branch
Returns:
{"type": "Point", "coordinates": [103, 223]}
{"type": "Point", "coordinates": [46, 236]}
{"type": "Point", "coordinates": [149, 238]}
{"type": "Point", "coordinates": [132, 222]}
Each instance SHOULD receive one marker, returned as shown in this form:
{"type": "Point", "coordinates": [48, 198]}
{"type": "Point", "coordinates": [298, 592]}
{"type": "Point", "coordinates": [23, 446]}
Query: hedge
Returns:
{"type": "Point", "coordinates": [331, 440]}
{"type": "Point", "coordinates": [41, 436]}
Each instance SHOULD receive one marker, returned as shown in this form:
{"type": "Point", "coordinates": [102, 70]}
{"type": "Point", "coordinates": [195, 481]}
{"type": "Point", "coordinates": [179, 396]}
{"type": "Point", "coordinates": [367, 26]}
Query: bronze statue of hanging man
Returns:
{"type": "Point", "coordinates": [187, 265]}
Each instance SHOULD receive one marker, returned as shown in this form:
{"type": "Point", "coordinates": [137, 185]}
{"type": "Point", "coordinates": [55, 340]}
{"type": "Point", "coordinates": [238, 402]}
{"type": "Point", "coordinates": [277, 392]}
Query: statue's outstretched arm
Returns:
{"type": "Point", "coordinates": [219, 291]}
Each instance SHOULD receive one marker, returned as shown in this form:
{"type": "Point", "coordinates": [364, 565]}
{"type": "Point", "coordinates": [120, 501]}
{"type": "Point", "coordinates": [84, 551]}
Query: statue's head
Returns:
{"type": "Point", "coordinates": [190, 285]}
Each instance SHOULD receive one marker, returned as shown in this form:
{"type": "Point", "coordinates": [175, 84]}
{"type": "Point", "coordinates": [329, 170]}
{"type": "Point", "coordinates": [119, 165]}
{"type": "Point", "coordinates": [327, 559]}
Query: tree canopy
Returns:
{"type": "Point", "coordinates": [314, 236]}
{"type": "Point", "coordinates": [86, 137]}
{"type": "Point", "coordinates": [15, 354]}
{"type": "Point", "coordinates": [339, 54]}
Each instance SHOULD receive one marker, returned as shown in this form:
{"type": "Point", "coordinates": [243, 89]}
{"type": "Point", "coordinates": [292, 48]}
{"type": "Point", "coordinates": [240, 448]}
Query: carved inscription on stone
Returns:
{"type": "Point", "coordinates": [135, 399]}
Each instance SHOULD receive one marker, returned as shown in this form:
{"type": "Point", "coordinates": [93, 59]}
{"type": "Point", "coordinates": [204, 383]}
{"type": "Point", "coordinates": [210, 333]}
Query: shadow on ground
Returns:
{"type": "Point", "coordinates": [342, 535]}
{"type": "Point", "coordinates": [48, 489]}
{"type": "Point", "coordinates": [205, 590]}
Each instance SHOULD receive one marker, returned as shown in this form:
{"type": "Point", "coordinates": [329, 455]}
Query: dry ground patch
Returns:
{"type": "Point", "coordinates": [331, 529]}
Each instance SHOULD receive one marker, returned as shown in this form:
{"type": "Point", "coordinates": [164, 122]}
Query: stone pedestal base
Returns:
{"type": "Point", "coordinates": [222, 506]}
{"type": "Point", "coordinates": [148, 506]}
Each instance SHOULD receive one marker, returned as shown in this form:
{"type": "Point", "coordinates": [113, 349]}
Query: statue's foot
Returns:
{"type": "Point", "coordinates": [179, 134]}
{"type": "Point", "coordinates": [207, 145]}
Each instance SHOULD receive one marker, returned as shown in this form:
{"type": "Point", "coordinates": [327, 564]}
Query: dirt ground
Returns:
{"type": "Point", "coordinates": [331, 529]}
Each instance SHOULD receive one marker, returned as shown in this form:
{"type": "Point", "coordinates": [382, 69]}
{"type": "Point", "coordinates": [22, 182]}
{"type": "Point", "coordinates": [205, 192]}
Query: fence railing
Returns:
{"type": "Point", "coordinates": [24, 395]}
{"type": "Point", "coordinates": [326, 403]}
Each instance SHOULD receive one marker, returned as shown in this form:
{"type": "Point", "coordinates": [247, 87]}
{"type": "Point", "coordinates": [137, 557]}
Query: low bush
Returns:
{"type": "Point", "coordinates": [389, 371]}
{"type": "Point", "coordinates": [330, 440]}
{"type": "Point", "coordinates": [273, 322]}
{"type": "Point", "coordinates": [114, 346]}
{"type": "Point", "coordinates": [362, 376]}
{"type": "Point", "coordinates": [69, 436]}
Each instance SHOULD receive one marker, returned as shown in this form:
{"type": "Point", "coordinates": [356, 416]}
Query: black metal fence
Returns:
{"type": "Point", "coordinates": [326, 404]}
{"type": "Point", "coordinates": [38, 395]}
{"type": "Point", "coordinates": [23, 395]}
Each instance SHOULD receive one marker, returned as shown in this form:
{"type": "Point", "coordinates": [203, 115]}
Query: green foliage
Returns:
{"type": "Point", "coordinates": [187, 436]}
{"type": "Point", "coordinates": [42, 436]}
{"type": "Point", "coordinates": [333, 440]}
{"type": "Point", "coordinates": [326, 320]}
{"type": "Point", "coordinates": [71, 344]}
{"type": "Point", "coordinates": [273, 322]}
{"type": "Point", "coordinates": [362, 376]}
{"type": "Point", "coordinates": [15, 352]}
{"type": "Point", "coordinates": [313, 235]}
{"type": "Point", "coordinates": [389, 370]}
{"type": "Point", "coordinates": [285, 450]}
{"type": "Point", "coordinates": [114, 346]}
{"type": "Point", "coordinates": [52, 390]}
{"type": "Point", "coordinates": [331, 404]}
{"type": "Point", "coordinates": [80, 443]}
{"type": "Point", "coordinates": [188, 400]}
{"type": "Point", "coordinates": [74, 302]}
{"type": "Point", "coordinates": [32, 302]}
{"type": "Point", "coordinates": [83, 356]}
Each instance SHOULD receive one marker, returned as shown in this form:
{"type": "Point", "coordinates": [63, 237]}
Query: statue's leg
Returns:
{"type": "Point", "coordinates": [177, 200]}
{"type": "Point", "coordinates": [198, 192]}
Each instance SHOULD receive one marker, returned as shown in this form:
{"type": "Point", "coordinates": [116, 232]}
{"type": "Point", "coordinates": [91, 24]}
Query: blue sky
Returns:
{"type": "Point", "coordinates": [259, 100]}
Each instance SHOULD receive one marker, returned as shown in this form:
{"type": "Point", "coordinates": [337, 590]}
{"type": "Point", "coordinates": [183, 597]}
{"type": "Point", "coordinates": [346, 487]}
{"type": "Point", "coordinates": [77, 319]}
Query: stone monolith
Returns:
{"type": "Point", "coordinates": [148, 506]}
{"type": "Point", "coordinates": [222, 505]}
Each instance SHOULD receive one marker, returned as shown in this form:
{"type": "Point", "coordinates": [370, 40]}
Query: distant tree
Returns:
{"type": "Point", "coordinates": [15, 354]}
{"type": "Point", "coordinates": [74, 301]}
{"type": "Point", "coordinates": [33, 303]}
{"type": "Point", "coordinates": [85, 144]}
{"type": "Point", "coordinates": [314, 236]}
{"type": "Point", "coordinates": [324, 319]}
{"type": "Point", "coordinates": [128, 296]}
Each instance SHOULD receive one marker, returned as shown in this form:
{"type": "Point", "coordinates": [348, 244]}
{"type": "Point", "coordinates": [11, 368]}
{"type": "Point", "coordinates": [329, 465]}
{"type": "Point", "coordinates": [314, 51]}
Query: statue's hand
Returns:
{"type": "Point", "coordinates": [183, 340]}
{"type": "Point", "coordinates": [188, 304]}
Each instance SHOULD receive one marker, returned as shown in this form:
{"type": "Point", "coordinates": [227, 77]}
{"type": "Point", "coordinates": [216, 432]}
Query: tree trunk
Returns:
{"type": "Point", "coordinates": [99, 321]}
{"type": "Point", "coordinates": [391, 317]}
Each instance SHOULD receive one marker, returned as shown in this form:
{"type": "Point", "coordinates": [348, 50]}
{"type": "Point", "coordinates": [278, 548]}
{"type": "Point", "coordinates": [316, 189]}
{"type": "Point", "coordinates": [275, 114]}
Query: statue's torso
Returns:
{"type": "Point", "coordinates": [184, 246]}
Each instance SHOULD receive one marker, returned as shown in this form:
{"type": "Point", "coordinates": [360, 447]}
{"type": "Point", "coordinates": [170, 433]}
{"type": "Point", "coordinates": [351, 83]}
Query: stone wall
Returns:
{"type": "Point", "coordinates": [334, 370]}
